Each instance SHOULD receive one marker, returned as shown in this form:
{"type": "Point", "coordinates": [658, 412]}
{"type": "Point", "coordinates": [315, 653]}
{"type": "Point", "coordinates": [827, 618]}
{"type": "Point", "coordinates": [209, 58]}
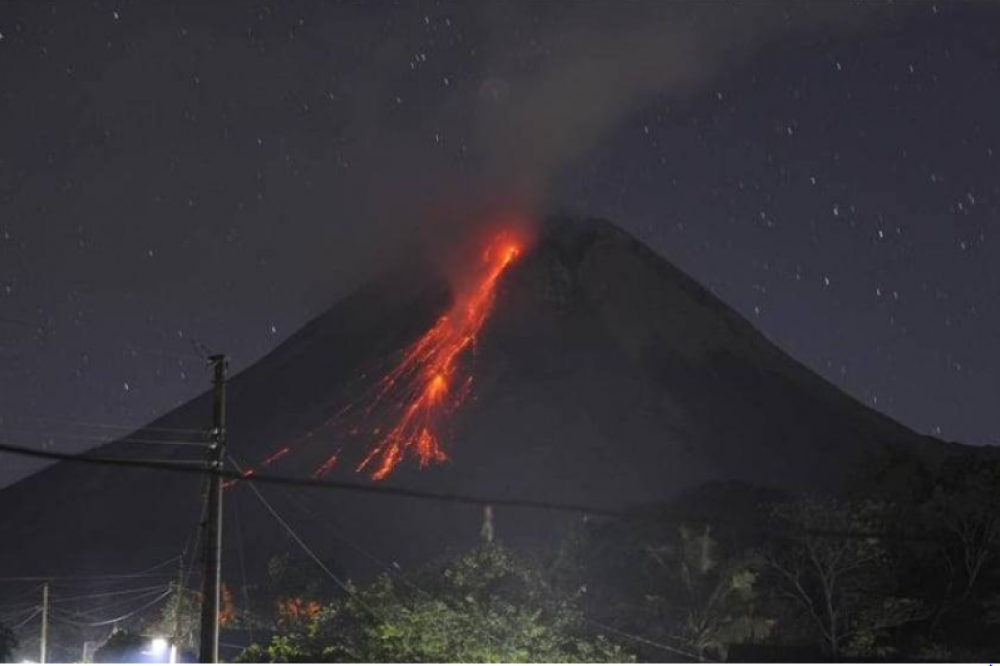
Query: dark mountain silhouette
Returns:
{"type": "Point", "coordinates": [605, 376]}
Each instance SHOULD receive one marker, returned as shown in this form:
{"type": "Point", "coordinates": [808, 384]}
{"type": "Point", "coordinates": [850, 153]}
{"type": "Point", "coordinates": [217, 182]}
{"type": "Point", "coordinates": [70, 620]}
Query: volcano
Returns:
{"type": "Point", "coordinates": [593, 372]}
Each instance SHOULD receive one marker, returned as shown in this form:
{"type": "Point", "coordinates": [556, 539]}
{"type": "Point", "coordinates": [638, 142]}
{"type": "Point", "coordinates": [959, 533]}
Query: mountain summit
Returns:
{"type": "Point", "coordinates": [601, 375]}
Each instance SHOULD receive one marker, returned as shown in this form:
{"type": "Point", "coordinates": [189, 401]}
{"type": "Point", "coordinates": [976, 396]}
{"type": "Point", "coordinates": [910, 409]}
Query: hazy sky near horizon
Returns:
{"type": "Point", "coordinates": [182, 174]}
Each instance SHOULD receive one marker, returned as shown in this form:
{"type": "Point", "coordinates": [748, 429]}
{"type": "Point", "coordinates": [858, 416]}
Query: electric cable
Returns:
{"type": "Point", "coordinates": [144, 573]}
{"type": "Point", "coordinates": [118, 426]}
{"type": "Point", "coordinates": [454, 498]}
{"type": "Point", "coordinates": [24, 622]}
{"type": "Point", "coordinates": [115, 620]}
{"type": "Point", "coordinates": [44, 579]}
{"type": "Point", "coordinates": [14, 616]}
{"type": "Point", "coordinates": [295, 537]}
{"type": "Point", "coordinates": [151, 442]}
{"type": "Point", "coordinates": [102, 439]}
{"type": "Point", "coordinates": [647, 641]}
{"type": "Point", "coordinates": [162, 564]}
{"type": "Point", "coordinates": [102, 595]}
{"type": "Point", "coordinates": [89, 613]}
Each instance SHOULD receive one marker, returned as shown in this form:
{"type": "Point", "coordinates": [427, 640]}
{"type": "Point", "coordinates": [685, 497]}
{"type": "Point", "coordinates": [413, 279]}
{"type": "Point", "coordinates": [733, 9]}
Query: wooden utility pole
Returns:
{"type": "Point", "coordinates": [486, 532]}
{"type": "Point", "coordinates": [212, 584]}
{"type": "Point", "coordinates": [43, 647]}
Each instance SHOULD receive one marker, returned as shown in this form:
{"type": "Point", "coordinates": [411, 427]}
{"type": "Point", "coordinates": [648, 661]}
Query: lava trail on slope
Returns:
{"type": "Point", "coordinates": [431, 380]}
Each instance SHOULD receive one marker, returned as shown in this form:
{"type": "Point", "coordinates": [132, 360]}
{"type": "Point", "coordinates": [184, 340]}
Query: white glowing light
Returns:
{"type": "Point", "coordinates": [158, 646]}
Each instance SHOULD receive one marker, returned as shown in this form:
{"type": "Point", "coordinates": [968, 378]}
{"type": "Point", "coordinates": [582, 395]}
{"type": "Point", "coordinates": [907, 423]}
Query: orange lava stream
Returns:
{"type": "Point", "coordinates": [428, 379]}
{"type": "Point", "coordinates": [425, 386]}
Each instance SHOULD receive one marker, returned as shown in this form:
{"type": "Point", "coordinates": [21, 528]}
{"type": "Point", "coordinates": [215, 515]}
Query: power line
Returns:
{"type": "Point", "coordinates": [13, 615]}
{"type": "Point", "coordinates": [40, 579]}
{"type": "Point", "coordinates": [92, 614]}
{"type": "Point", "coordinates": [89, 613]}
{"type": "Point", "coordinates": [309, 482]}
{"type": "Point", "coordinates": [116, 620]}
{"type": "Point", "coordinates": [339, 536]}
{"type": "Point", "coordinates": [164, 563]}
{"type": "Point", "coordinates": [17, 608]}
{"type": "Point", "coordinates": [24, 622]}
{"type": "Point", "coordinates": [134, 593]}
{"type": "Point", "coordinates": [295, 537]}
{"type": "Point", "coordinates": [144, 573]}
{"type": "Point", "coordinates": [650, 642]}
{"type": "Point", "coordinates": [102, 439]}
{"type": "Point", "coordinates": [129, 440]}
{"type": "Point", "coordinates": [117, 426]}
{"type": "Point", "coordinates": [102, 595]}
{"type": "Point", "coordinates": [382, 565]}
{"type": "Point", "coordinates": [311, 515]}
{"type": "Point", "coordinates": [184, 464]}
{"type": "Point", "coordinates": [454, 498]}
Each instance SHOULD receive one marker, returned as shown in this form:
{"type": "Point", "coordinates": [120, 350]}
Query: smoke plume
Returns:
{"type": "Point", "coordinates": [544, 109]}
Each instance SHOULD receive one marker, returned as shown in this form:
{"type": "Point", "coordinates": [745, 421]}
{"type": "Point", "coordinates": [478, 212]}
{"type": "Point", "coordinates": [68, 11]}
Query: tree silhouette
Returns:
{"type": "Point", "coordinates": [8, 643]}
{"type": "Point", "coordinates": [122, 647]}
{"type": "Point", "coordinates": [706, 600]}
{"type": "Point", "coordinates": [842, 584]}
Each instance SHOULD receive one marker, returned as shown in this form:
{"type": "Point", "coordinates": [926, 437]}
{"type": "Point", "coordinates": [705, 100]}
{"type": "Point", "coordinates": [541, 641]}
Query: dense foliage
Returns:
{"type": "Point", "coordinates": [905, 565]}
{"type": "Point", "coordinates": [487, 606]}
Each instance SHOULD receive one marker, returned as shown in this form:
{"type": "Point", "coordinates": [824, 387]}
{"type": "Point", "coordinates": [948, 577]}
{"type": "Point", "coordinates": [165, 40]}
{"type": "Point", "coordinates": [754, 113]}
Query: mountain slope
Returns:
{"type": "Point", "coordinates": [604, 376]}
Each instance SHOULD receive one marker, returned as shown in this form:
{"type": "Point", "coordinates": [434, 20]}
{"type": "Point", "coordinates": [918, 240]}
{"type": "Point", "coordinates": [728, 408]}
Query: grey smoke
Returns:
{"type": "Point", "coordinates": [600, 62]}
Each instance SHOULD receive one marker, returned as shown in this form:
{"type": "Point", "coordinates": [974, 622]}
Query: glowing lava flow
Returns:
{"type": "Point", "coordinates": [427, 378]}
{"type": "Point", "coordinates": [426, 385]}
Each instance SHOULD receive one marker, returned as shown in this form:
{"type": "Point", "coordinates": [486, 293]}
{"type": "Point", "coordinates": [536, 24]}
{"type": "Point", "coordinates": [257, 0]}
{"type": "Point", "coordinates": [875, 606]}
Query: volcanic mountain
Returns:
{"type": "Point", "coordinates": [600, 374]}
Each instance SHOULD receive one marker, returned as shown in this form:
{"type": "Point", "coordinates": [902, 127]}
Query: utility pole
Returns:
{"type": "Point", "coordinates": [486, 532]}
{"type": "Point", "coordinates": [211, 586]}
{"type": "Point", "coordinates": [43, 648]}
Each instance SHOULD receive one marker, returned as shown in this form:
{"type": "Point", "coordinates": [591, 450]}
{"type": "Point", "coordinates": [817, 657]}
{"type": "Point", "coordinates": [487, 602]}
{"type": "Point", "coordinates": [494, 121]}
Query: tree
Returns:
{"type": "Point", "coordinates": [703, 599]}
{"type": "Point", "coordinates": [662, 575]}
{"type": "Point", "coordinates": [180, 618]}
{"type": "Point", "coordinates": [965, 507]}
{"type": "Point", "coordinates": [290, 587]}
{"type": "Point", "coordinates": [122, 647]}
{"type": "Point", "coordinates": [841, 582]}
{"type": "Point", "coordinates": [486, 606]}
{"type": "Point", "coordinates": [8, 643]}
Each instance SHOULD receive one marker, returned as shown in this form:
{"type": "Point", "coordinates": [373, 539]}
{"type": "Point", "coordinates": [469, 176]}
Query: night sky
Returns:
{"type": "Point", "coordinates": [177, 177]}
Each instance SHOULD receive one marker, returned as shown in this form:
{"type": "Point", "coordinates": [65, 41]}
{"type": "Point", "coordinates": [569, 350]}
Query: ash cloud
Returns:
{"type": "Point", "coordinates": [545, 108]}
